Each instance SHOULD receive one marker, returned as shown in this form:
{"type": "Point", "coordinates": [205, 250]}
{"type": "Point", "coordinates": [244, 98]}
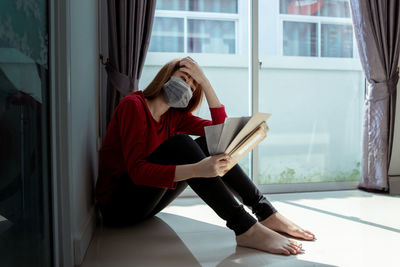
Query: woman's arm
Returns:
{"type": "Point", "coordinates": [188, 123]}
{"type": "Point", "coordinates": [183, 172]}
{"type": "Point", "coordinates": [208, 167]}
{"type": "Point", "coordinates": [211, 96]}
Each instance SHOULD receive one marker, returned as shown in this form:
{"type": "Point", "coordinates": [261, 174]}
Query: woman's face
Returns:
{"type": "Point", "coordinates": [186, 78]}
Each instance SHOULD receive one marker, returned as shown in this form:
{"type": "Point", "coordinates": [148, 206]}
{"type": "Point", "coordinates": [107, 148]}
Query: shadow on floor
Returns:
{"type": "Point", "coordinates": [149, 243]}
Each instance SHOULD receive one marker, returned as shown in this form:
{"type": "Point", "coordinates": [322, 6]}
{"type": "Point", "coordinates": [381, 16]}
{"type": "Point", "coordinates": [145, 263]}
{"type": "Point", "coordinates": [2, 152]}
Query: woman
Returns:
{"type": "Point", "coordinates": [147, 159]}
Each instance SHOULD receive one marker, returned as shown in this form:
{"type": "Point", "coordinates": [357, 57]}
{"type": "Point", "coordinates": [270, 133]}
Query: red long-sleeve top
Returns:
{"type": "Point", "coordinates": [133, 134]}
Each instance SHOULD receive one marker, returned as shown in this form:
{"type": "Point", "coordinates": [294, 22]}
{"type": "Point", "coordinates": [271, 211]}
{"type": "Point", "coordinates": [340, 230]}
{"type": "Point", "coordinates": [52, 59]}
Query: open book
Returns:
{"type": "Point", "coordinates": [237, 136]}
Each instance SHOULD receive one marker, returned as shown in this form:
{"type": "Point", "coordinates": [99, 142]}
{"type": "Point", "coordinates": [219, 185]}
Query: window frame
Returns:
{"type": "Point", "coordinates": [59, 22]}
{"type": "Point", "coordinates": [319, 20]}
{"type": "Point", "coordinates": [197, 15]}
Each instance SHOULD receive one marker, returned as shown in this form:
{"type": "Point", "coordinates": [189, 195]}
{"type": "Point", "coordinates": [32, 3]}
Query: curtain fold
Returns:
{"type": "Point", "coordinates": [377, 30]}
{"type": "Point", "coordinates": [129, 30]}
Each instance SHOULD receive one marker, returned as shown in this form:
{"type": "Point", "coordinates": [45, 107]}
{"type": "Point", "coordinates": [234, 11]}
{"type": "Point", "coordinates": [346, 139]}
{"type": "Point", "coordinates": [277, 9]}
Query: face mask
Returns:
{"type": "Point", "coordinates": [177, 93]}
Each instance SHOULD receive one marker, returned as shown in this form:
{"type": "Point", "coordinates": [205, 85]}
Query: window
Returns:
{"type": "Point", "coordinates": [27, 220]}
{"type": "Point", "coordinates": [309, 80]}
{"type": "Point", "coordinates": [197, 26]}
{"type": "Point", "coordinates": [300, 39]}
{"type": "Point", "coordinates": [211, 36]}
{"type": "Point", "coordinates": [167, 35]}
{"type": "Point", "coordinates": [336, 40]}
{"type": "Point", "coordinates": [313, 87]}
{"type": "Point", "coordinates": [220, 6]}
{"type": "Point", "coordinates": [324, 8]}
{"type": "Point", "coordinates": [316, 28]}
{"type": "Point", "coordinates": [215, 34]}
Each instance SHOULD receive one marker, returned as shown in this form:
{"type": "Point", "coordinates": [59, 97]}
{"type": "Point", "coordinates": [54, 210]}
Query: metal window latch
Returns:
{"type": "Point", "coordinates": [260, 64]}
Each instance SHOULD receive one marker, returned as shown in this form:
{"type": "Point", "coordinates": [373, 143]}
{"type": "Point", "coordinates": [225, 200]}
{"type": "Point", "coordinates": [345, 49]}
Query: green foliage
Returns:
{"type": "Point", "coordinates": [288, 175]}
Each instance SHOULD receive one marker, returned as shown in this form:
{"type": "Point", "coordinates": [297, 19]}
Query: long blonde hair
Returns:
{"type": "Point", "coordinates": [154, 89]}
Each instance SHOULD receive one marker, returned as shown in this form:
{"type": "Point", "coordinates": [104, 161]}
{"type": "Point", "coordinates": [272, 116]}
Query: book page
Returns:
{"type": "Point", "coordinates": [223, 138]}
{"type": "Point", "coordinates": [213, 135]}
{"type": "Point", "coordinates": [232, 127]}
{"type": "Point", "coordinates": [254, 121]}
{"type": "Point", "coordinates": [247, 144]}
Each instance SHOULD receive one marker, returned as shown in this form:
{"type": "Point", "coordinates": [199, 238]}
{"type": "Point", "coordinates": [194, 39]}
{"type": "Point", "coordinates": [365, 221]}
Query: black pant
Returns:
{"type": "Point", "coordinates": [131, 203]}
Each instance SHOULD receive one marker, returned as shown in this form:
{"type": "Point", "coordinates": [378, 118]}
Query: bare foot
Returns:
{"type": "Point", "coordinates": [278, 222]}
{"type": "Point", "coordinates": [262, 238]}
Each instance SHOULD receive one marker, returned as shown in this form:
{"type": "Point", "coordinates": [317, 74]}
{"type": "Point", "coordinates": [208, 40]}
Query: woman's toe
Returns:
{"type": "Point", "coordinates": [294, 243]}
{"type": "Point", "coordinates": [298, 249]}
{"type": "Point", "coordinates": [292, 249]}
{"type": "Point", "coordinates": [308, 235]}
{"type": "Point", "coordinates": [303, 234]}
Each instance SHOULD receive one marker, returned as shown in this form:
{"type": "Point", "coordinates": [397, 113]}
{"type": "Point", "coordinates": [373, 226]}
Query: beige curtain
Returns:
{"type": "Point", "coordinates": [377, 30]}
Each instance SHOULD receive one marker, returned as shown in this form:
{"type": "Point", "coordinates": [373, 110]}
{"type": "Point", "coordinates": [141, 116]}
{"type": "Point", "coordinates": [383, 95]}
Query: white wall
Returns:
{"type": "Point", "coordinates": [84, 126]}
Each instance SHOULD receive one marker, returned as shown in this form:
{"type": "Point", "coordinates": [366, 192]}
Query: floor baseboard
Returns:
{"type": "Point", "coordinates": [82, 240]}
{"type": "Point", "coordinates": [394, 185]}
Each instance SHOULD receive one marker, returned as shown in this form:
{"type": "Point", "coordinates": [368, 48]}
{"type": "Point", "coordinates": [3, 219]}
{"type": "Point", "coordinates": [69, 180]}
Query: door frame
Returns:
{"type": "Point", "coordinates": [60, 107]}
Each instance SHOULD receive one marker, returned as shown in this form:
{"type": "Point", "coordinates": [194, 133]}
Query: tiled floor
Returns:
{"type": "Point", "coordinates": [353, 228]}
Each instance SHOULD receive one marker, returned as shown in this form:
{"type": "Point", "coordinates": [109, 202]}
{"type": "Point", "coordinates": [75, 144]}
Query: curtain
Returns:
{"type": "Point", "coordinates": [377, 30]}
{"type": "Point", "coordinates": [129, 30]}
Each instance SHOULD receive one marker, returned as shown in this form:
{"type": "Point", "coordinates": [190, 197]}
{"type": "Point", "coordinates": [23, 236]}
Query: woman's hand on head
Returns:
{"type": "Point", "coordinates": [212, 166]}
{"type": "Point", "coordinates": [189, 66]}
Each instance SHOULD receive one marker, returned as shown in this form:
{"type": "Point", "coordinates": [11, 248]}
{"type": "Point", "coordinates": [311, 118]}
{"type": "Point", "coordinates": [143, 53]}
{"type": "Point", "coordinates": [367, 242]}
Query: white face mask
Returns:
{"type": "Point", "coordinates": [177, 93]}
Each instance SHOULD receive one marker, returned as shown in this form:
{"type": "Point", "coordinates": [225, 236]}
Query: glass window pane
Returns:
{"type": "Point", "coordinates": [25, 207]}
{"type": "Point", "coordinates": [300, 39]}
{"type": "Point", "coordinates": [316, 103]}
{"type": "Point", "coordinates": [167, 35]}
{"type": "Point", "coordinates": [326, 8]}
{"type": "Point", "coordinates": [336, 40]}
{"type": "Point", "coordinates": [221, 6]}
{"type": "Point", "coordinates": [171, 4]}
{"type": "Point", "coordinates": [211, 36]}
{"type": "Point", "coordinates": [226, 68]}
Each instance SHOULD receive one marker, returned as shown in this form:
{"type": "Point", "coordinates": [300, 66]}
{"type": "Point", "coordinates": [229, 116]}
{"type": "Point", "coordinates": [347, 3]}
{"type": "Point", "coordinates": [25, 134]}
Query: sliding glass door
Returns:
{"type": "Point", "coordinates": [25, 225]}
{"type": "Point", "coordinates": [304, 69]}
{"type": "Point", "coordinates": [311, 81]}
{"type": "Point", "coordinates": [215, 34]}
